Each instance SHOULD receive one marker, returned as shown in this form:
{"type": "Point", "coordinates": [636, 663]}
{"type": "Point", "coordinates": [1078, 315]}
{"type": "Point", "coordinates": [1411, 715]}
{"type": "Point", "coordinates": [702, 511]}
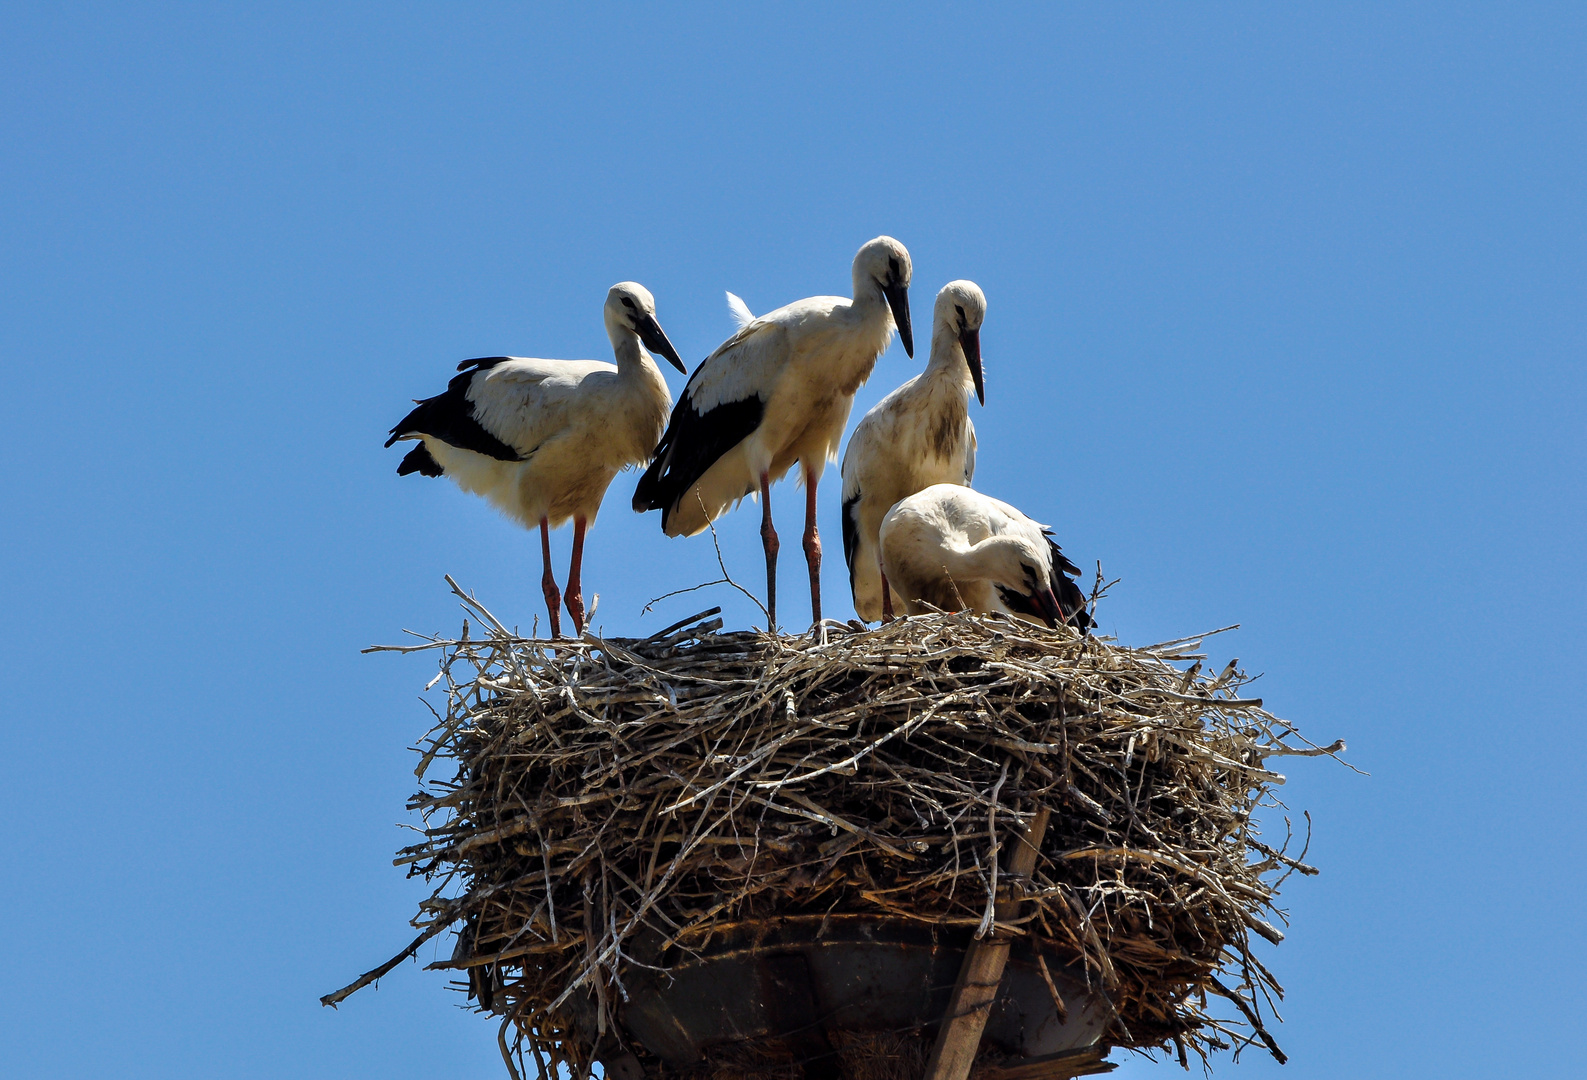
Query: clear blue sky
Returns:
{"type": "Point", "coordinates": [1285, 327]}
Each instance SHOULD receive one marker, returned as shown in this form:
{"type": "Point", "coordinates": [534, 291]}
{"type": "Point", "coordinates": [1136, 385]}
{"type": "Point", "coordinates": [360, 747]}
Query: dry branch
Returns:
{"type": "Point", "coordinates": [681, 783]}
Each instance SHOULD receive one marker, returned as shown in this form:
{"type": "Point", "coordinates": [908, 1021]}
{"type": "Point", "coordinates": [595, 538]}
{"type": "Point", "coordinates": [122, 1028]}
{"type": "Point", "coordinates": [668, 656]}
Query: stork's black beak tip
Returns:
{"type": "Point", "coordinates": [898, 302]}
{"type": "Point", "coordinates": [654, 339]}
{"type": "Point", "coordinates": [970, 342]}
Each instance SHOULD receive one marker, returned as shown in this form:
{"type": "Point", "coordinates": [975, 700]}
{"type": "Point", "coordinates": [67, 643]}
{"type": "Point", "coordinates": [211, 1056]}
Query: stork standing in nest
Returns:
{"type": "Point", "coordinates": [777, 392]}
{"type": "Point", "coordinates": [955, 549]}
{"type": "Point", "coordinates": [542, 439]}
{"type": "Point", "coordinates": [917, 436]}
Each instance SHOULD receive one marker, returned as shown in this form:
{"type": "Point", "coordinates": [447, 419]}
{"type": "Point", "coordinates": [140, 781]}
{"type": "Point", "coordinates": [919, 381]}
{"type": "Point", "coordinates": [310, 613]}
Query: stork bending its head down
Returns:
{"type": "Point", "coordinates": [542, 439]}
{"type": "Point", "coordinates": [917, 436]}
{"type": "Point", "coordinates": [955, 549]}
{"type": "Point", "coordinates": [776, 392]}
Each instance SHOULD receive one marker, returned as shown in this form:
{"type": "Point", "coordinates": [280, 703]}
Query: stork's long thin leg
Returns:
{"type": "Point", "coordinates": [887, 597]}
{"type": "Point", "coordinates": [812, 548]}
{"type": "Point", "coordinates": [575, 595]}
{"type": "Point", "coordinates": [548, 584]}
{"type": "Point", "coordinates": [768, 537]}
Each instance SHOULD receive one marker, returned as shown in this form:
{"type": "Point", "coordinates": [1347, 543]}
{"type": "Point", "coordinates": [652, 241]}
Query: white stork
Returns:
{"type": "Point", "coordinates": [542, 439]}
{"type": "Point", "coordinates": [917, 436]}
{"type": "Point", "coordinates": [777, 392]}
{"type": "Point", "coordinates": [954, 548]}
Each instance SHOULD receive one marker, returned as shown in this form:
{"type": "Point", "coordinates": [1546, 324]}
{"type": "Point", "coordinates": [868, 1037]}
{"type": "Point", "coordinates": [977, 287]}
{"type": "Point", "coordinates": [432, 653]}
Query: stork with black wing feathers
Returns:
{"type": "Point", "coordinates": [775, 393]}
{"type": "Point", "coordinates": [542, 439]}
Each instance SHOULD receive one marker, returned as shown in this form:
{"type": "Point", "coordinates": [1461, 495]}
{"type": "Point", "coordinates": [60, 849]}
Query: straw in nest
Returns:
{"type": "Point", "coordinates": [598, 789]}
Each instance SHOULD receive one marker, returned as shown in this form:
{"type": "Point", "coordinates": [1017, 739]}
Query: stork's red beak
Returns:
{"type": "Point", "coordinates": [1052, 612]}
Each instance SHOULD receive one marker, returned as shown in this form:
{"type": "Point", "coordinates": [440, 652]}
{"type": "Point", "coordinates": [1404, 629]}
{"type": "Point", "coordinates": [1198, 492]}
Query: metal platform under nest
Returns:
{"type": "Point", "coordinates": [794, 987]}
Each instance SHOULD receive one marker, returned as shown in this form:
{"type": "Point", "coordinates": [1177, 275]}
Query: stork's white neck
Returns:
{"type": "Point", "coordinates": [630, 354]}
{"type": "Point", "coordinates": [959, 560]}
{"type": "Point", "coordinates": [994, 558]}
{"type": "Point", "coordinates": [947, 360]}
{"type": "Point", "coordinates": [868, 294]}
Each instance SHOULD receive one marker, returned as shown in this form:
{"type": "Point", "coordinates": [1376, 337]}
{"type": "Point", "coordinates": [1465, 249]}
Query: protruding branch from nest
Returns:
{"type": "Point", "coordinates": [725, 579]}
{"type": "Point", "coordinates": [380, 972]}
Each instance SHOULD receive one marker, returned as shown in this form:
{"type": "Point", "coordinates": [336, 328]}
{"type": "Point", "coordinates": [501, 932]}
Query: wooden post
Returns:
{"type": "Point", "coordinates": [981, 973]}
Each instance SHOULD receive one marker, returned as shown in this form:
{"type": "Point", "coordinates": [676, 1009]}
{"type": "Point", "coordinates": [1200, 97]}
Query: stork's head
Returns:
{"type": "Point", "coordinates": [961, 308]}
{"type": "Point", "coordinates": [630, 309]}
{"type": "Point", "coordinates": [882, 267]}
{"type": "Point", "coordinates": [1020, 568]}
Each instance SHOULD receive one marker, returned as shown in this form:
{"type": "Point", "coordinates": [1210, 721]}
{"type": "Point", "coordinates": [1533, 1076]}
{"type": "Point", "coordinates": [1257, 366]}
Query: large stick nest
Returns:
{"type": "Point", "coordinates": [602, 788]}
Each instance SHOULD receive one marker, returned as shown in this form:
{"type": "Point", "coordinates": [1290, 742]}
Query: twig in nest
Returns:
{"type": "Point", "coordinates": [712, 780]}
{"type": "Point", "coordinates": [725, 579]}
{"type": "Point", "coordinates": [1098, 589]}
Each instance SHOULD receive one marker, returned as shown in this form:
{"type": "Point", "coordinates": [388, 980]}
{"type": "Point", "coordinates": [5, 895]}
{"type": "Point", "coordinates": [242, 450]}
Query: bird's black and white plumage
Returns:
{"type": "Point", "coordinates": [917, 436]}
{"type": "Point", "coordinates": [776, 392]}
{"type": "Point", "coordinates": [954, 548]}
{"type": "Point", "coordinates": [542, 439]}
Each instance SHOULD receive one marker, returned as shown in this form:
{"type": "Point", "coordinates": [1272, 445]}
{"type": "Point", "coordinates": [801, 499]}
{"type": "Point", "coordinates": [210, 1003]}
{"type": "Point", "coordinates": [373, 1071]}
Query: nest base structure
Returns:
{"type": "Point", "coordinates": [732, 855]}
{"type": "Point", "coordinates": [806, 996]}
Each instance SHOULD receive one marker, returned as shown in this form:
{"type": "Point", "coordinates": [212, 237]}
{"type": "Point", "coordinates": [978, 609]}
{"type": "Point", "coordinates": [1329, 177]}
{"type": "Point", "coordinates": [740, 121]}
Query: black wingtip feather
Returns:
{"type": "Point", "coordinates": [450, 418]}
{"type": "Point", "coordinates": [693, 442]}
{"type": "Point", "coordinates": [419, 460]}
{"type": "Point", "coordinates": [851, 534]}
{"type": "Point", "coordinates": [1070, 598]}
{"type": "Point", "coordinates": [1060, 563]}
{"type": "Point", "coordinates": [645, 490]}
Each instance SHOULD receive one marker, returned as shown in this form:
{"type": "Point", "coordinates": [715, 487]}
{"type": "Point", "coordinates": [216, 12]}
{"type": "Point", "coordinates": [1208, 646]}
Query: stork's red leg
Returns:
{"type": "Point", "coordinates": [548, 584]}
{"type": "Point", "coordinates": [575, 595]}
{"type": "Point", "coordinates": [812, 548]}
{"type": "Point", "coordinates": [887, 597]}
{"type": "Point", "coordinates": [768, 537]}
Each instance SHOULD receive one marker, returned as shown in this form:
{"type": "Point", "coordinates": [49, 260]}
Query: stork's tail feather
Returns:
{"type": "Point", "coordinates": [419, 461]}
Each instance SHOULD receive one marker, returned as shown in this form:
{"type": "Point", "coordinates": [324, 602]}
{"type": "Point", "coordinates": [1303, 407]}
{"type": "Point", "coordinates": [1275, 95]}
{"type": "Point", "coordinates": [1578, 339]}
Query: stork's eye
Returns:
{"type": "Point", "coordinates": [963, 322]}
{"type": "Point", "coordinates": [629, 304]}
{"type": "Point", "coordinates": [892, 270]}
